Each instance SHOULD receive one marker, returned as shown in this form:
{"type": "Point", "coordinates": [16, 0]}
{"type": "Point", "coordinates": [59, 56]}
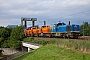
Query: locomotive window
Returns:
{"type": "Point", "coordinates": [33, 28]}
{"type": "Point", "coordinates": [27, 29]}
{"type": "Point", "coordinates": [61, 24]}
{"type": "Point", "coordinates": [43, 26]}
{"type": "Point", "coordinates": [47, 26]}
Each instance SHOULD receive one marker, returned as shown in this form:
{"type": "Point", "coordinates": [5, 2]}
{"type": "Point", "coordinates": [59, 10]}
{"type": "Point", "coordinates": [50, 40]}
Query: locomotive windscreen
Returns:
{"type": "Point", "coordinates": [61, 24]}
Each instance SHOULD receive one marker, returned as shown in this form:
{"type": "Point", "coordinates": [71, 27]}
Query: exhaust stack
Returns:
{"type": "Point", "coordinates": [69, 22]}
{"type": "Point", "coordinates": [44, 22]}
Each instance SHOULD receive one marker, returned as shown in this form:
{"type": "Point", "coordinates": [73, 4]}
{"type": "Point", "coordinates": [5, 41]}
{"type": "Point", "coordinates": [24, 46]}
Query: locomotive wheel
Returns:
{"type": "Point", "coordinates": [68, 36]}
{"type": "Point", "coordinates": [37, 35]}
{"type": "Point", "coordinates": [64, 36]}
{"type": "Point", "coordinates": [49, 35]}
{"type": "Point", "coordinates": [76, 37]}
{"type": "Point", "coordinates": [32, 35]}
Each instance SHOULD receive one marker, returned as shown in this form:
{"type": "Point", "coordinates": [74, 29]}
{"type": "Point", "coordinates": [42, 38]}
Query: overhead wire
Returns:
{"type": "Point", "coordinates": [80, 13]}
{"type": "Point", "coordinates": [76, 13]}
{"type": "Point", "coordinates": [68, 11]}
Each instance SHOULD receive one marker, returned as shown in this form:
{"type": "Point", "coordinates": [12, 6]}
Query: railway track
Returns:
{"type": "Point", "coordinates": [85, 37]}
{"type": "Point", "coordinates": [54, 38]}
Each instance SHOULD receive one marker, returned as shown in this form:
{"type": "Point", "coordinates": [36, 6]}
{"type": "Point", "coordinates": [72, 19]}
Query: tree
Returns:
{"type": "Point", "coordinates": [10, 37]}
{"type": "Point", "coordinates": [1, 40]}
{"type": "Point", "coordinates": [4, 33]}
{"type": "Point", "coordinates": [14, 44]}
{"type": "Point", "coordinates": [85, 29]}
{"type": "Point", "coordinates": [17, 33]}
{"type": "Point", "coordinates": [5, 44]}
{"type": "Point", "coordinates": [4, 36]}
{"type": "Point", "coordinates": [89, 30]}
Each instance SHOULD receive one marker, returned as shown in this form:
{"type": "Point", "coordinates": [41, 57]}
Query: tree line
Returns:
{"type": "Point", "coordinates": [85, 29]}
{"type": "Point", "coordinates": [11, 37]}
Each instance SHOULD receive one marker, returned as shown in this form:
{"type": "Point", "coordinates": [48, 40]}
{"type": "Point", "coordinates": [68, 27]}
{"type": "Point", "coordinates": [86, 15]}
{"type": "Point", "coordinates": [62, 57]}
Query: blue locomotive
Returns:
{"type": "Point", "coordinates": [65, 31]}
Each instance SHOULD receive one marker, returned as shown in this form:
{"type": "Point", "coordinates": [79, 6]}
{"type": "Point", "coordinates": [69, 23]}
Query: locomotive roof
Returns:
{"type": "Point", "coordinates": [60, 24]}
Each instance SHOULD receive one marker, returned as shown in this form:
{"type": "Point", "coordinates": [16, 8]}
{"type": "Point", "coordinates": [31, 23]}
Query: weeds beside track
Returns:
{"type": "Point", "coordinates": [81, 45]}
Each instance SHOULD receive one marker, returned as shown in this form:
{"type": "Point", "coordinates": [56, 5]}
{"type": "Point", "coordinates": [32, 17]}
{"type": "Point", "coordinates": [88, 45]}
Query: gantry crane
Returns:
{"type": "Point", "coordinates": [28, 19]}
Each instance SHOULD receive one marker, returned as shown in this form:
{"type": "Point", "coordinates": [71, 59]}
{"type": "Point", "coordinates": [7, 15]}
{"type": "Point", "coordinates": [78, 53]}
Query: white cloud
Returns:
{"type": "Point", "coordinates": [43, 10]}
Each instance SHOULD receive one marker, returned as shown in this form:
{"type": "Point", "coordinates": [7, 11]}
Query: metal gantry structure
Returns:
{"type": "Point", "coordinates": [24, 20]}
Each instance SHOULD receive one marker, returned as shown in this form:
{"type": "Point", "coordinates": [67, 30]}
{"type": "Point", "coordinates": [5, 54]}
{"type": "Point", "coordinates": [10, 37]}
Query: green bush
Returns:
{"type": "Point", "coordinates": [17, 33]}
{"type": "Point", "coordinates": [37, 41]}
{"type": "Point", "coordinates": [14, 44]}
{"type": "Point", "coordinates": [5, 44]}
{"type": "Point", "coordinates": [1, 40]}
{"type": "Point", "coordinates": [5, 32]}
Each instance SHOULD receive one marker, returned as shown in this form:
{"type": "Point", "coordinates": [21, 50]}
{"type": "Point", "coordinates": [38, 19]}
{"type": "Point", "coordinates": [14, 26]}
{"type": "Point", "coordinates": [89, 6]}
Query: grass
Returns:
{"type": "Point", "coordinates": [53, 52]}
{"type": "Point", "coordinates": [82, 45]}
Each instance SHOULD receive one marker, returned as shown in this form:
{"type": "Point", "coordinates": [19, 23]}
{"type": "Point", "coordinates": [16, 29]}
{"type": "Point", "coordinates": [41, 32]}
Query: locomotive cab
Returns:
{"type": "Point", "coordinates": [61, 27]}
{"type": "Point", "coordinates": [63, 30]}
{"type": "Point", "coordinates": [73, 31]}
{"type": "Point", "coordinates": [36, 31]}
{"type": "Point", "coordinates": [45, 31]}
{"type": "Point", "coordinates": [59, 30]}
{"type": "Point", "coordinates": [28, 31]}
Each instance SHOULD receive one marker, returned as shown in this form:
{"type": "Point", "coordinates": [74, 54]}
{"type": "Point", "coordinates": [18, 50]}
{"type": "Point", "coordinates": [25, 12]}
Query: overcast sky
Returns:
{"type": "Point", "coordinates": [51, 11]}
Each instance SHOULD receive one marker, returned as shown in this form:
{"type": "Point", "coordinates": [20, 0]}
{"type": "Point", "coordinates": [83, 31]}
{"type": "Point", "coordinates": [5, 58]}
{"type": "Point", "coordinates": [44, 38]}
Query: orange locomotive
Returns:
{"type": "Point", "coordinates": [36, 31]}
{"type": "Point", "coordinates": [28, 32]}
{"type": "Point", "coordinates": [45, 31]}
